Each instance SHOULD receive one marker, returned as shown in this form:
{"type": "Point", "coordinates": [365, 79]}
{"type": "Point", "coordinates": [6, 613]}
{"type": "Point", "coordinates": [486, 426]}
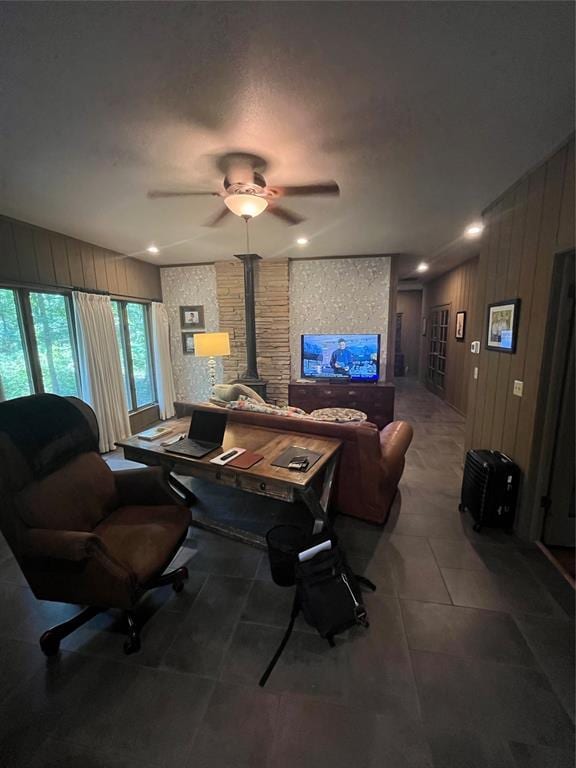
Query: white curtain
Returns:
{"type": "Point", "coordinates": [162, 363]}
{"type": "Point", "coordinates": [100, 367]}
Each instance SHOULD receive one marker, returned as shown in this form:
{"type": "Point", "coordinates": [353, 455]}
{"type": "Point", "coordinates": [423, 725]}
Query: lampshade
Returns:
{"type": "Point", "coordinates": [211, 344]}
{"type": "Point", "coordinates": [245, 204]}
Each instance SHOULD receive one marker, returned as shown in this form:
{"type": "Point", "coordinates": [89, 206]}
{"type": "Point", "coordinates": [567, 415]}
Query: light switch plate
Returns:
{"type": "Point", "coordinates": [475, 347]}
{"type": "Point", "coordinates": [518, 389]}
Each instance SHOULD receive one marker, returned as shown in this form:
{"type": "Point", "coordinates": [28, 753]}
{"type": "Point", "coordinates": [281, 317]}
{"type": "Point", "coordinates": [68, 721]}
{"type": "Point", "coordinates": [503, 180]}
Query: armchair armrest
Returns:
{"type": "Point", "coordinates": [395, 440]}
{"type": "Point", "coordinates": [145, 487]}
{"type": "Point", "coordinates": [63, 545]}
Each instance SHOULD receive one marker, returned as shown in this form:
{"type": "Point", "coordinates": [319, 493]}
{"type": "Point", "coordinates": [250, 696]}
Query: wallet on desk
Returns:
{"type": "Point", "coordinates": [245, 460]}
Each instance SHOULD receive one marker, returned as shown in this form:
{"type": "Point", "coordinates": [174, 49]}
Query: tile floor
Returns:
{"type": "Point", "coordinates": [468, 662]}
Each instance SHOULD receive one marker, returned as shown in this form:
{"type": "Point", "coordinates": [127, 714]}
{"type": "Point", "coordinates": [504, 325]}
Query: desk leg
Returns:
{"type": "Point", "coordinates": [319, 506]}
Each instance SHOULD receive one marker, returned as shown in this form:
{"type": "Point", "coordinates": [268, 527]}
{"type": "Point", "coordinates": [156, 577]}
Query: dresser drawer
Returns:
{"type": "Point", "coordinates": [263, 487]}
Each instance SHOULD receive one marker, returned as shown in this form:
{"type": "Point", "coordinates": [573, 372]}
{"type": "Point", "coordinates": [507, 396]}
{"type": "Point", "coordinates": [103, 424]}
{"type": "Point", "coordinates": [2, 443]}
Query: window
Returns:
{"type": "Point", "coordinates": [37, 344]}
{"type": "Point", "coordinates": [15, 377]}
{"type": "Point", "coordinates": [133, 333]}
{"type": "Point", "coordinates": [54, 343]}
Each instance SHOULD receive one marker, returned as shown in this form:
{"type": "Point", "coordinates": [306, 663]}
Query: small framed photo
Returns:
{"type": "Point", "coordinates": [460, 331]}
{"type": "Point", "coordinates": [424, 325]}
{"type": "Point", "coordinates": [502, 325]}
{"type": "Point", "coordinates": [188, 343]}
{"type": "Point", "coordinates": [192, 318]}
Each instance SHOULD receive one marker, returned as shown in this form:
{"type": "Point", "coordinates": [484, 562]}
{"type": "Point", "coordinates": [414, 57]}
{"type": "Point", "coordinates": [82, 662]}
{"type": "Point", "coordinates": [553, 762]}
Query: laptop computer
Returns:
{"type": "Point", "coordinates": [205, 435]}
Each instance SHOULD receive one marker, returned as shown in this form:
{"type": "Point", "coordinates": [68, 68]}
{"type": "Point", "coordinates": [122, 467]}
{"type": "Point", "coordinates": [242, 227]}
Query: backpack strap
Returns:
{"type": "Point", "coordinates": [284, 641]}
{"type": "Point", "coordinates": [365, 582]}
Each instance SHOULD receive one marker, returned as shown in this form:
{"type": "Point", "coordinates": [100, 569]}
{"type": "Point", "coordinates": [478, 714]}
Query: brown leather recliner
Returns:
{"type": "Point", "coordinates": [371, 461]}
{"type": "Point", "coordinates": [81, 533]}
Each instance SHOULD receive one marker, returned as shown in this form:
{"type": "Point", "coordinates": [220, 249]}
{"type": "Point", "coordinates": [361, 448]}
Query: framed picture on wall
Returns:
{"type": "Point", "coordinates": [192, 318]}
{"type": "Point", "coordinates": [460, 331]}
{"type": "Point", "coordinates": [188, 343]}
{"type": "Point", "coordinates": [502, 325]}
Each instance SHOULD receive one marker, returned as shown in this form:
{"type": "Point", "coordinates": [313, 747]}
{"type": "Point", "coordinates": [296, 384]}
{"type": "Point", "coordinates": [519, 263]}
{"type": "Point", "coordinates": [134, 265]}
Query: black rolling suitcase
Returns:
{"type": "Point", "coordinates": [490, 489]}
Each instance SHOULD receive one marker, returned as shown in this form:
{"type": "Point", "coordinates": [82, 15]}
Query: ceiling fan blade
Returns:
{"type": "Point", "coordinates": [162, 193]}
{"type": "Point", "coordinates": [321, 188]}
{"type": "Point", "coordinates": [283, 213]}
{"type": "Point", "coordinates": [215, 220]}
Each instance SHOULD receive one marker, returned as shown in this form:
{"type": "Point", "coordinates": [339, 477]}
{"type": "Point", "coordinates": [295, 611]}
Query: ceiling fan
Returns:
{"type": "Point", "coordinates": [246, 193]}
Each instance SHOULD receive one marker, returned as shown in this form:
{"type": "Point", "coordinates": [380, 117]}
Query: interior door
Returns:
{"type": "Point", "coordinates": [438, 348]}
{"type": "Point", "coordinates": [559, 524]}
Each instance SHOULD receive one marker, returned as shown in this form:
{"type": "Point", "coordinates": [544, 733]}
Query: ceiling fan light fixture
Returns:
{"type": "Point", "coordinates": [245, 204]}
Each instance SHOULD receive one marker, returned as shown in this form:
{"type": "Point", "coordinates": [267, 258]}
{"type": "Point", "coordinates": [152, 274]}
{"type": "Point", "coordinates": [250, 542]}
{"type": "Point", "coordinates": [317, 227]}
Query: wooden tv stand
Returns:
{"type": "Point", "coordinates": [376, 399]}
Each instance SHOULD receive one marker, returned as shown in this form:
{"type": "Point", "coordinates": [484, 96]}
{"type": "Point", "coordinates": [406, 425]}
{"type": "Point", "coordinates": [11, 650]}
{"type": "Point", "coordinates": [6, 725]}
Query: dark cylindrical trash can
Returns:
{"type": "Point", "coordinates": [284, 544]}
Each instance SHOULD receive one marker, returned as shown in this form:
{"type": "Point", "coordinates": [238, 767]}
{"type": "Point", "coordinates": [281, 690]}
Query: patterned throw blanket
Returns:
{"type": "Point", "coordinates": [337, 415]}
{"type": "Point", "coordinates": [248, 404]}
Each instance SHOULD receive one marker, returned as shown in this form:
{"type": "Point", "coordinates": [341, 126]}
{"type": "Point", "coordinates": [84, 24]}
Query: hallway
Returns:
{"type": "Point", "coordinates": [467, 662]}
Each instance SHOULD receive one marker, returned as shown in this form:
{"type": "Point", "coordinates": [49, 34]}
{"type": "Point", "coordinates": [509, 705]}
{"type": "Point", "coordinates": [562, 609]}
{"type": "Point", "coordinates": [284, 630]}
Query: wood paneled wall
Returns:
{"type": "Point", "coordinates": [456, 288]}
{"type": "Point", "coordinates": [409, 303]}
{"type": "Point", "coordinates": [36, 256]}
{"type": "Point", "coordinates": [525, 228]}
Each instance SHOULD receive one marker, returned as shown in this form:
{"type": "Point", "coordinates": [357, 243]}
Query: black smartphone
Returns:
{"type": "Point", "coordinates": [298, 463]}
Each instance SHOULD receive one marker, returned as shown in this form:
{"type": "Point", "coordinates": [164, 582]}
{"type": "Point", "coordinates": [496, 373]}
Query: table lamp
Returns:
{"type": "Point", "coordinates": [211, 345]}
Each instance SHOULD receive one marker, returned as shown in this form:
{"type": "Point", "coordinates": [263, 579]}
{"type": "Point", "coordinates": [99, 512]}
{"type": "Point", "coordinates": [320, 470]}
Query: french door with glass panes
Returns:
{"type": "Point", "coordinates": [438, 348]}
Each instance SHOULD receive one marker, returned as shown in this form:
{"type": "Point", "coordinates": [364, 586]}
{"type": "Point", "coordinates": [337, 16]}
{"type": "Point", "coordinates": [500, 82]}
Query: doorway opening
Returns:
{"type": "Point", "coordinates": [557, 477]}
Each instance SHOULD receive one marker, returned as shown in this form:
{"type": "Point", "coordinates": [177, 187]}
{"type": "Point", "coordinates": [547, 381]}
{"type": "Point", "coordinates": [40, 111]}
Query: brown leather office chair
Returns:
{"type": "Point", "coordinates": [81, 533]}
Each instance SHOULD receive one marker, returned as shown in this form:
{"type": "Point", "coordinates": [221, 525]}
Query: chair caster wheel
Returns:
{"type": "Point", "coordinates": [50, 645]}
{"type": "Point", "coordinates": [132, 645]}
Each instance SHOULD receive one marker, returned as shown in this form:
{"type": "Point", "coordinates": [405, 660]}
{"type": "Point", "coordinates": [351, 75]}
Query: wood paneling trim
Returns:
{"type": "Point", "coordinates": [34, 256]}
{"type": "Point", "coordinates": [8, 257]}
{"type": "Point", "coordinates": [539, 311]}
{"type": "Point", "coordinates": [565, 238]}
{"type": "Point", "coordinates": [519, 264]}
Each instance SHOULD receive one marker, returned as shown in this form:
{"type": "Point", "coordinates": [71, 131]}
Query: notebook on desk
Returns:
{"type": "Point", "coordinates": [246, 460]}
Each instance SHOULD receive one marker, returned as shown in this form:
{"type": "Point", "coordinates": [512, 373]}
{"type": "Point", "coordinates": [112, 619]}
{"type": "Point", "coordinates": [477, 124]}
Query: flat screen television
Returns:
{"type": "Point", "coordinates": [351, 356]}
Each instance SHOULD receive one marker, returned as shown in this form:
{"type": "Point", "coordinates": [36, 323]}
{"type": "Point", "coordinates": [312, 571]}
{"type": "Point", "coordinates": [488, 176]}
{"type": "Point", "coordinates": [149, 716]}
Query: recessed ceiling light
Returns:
{"type": "Point", "coordinates": [422, 267]}
{"type": "Point", "coordinates": [302, 241]}
{"type": "Point", "coordinates": [153, 249]}
{"type": "Point", "coordinates": [474, 230]}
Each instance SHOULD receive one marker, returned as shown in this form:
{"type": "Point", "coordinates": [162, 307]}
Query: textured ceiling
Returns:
{"type": "Point", "coordinates": [423, 112]}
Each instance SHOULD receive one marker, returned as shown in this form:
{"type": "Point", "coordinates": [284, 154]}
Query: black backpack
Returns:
{"type": "Point", "coordinates": [328, 594]}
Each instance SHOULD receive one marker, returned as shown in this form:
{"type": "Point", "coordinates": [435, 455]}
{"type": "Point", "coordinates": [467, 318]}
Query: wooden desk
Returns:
{"type": "Point", "coordinates": [262, 479]}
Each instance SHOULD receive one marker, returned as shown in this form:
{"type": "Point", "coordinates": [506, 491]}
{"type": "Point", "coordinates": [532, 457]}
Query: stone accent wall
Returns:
{"type": "Point", "coordinates": [273, 327]}
{"type": "Point", "coordinates": [230, 297]}
{"type": "Point", "coordinates": [272, 322]}
{"type": "Point", "coordinates": [339, 296]}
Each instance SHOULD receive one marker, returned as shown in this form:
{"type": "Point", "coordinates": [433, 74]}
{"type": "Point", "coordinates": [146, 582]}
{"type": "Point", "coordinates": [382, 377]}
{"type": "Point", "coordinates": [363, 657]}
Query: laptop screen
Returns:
{"type": "Point", "coordinates": [208, 427]}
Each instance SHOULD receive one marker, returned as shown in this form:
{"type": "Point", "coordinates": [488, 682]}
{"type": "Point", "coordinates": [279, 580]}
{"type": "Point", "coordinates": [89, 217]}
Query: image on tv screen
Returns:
{"type": "Point", "coordinates": [350, 356]}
